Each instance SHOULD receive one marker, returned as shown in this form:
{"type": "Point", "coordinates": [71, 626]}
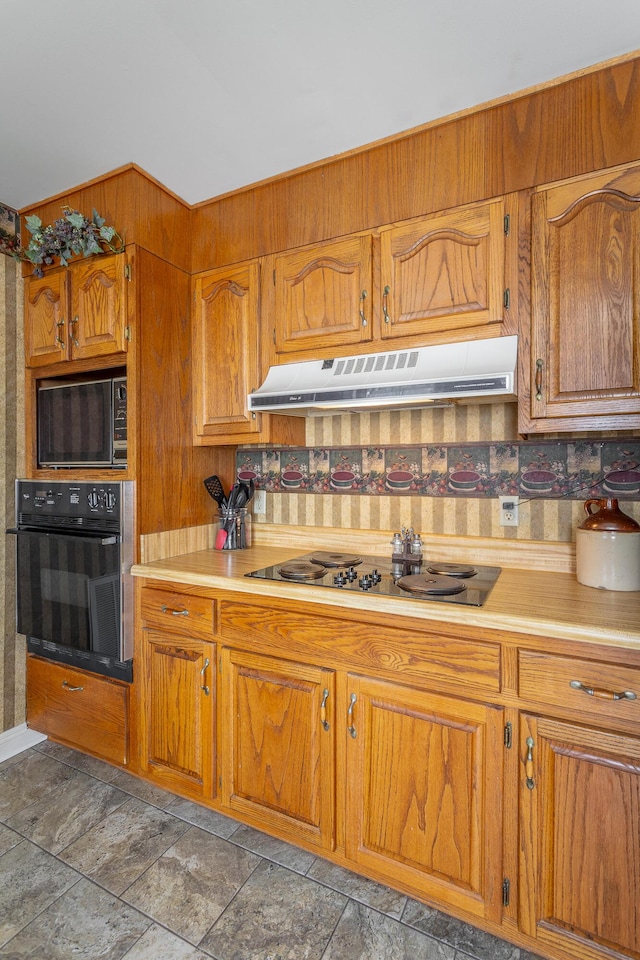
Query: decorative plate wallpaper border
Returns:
{"type": "Point", "coordinates": [550, 469]}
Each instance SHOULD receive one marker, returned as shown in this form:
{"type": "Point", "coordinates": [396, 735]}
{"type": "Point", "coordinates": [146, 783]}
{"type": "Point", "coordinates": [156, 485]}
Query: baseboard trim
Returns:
{"type": "Point", "coordinates": [17, 740]}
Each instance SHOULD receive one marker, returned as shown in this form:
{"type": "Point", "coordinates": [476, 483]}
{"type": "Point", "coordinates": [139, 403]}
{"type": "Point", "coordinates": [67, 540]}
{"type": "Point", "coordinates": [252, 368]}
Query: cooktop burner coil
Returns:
{"type": "Point", "coordinates": [431, 584]}
{"type": "Point", "coordinates": [336, 559]}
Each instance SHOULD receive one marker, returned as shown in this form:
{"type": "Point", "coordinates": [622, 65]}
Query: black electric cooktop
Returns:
{"type": "Point", "coordinates": [434, 581]}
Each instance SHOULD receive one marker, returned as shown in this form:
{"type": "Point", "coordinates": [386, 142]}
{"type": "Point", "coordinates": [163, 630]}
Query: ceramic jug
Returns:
{"type": "Point", "coordinates": [608, 547]}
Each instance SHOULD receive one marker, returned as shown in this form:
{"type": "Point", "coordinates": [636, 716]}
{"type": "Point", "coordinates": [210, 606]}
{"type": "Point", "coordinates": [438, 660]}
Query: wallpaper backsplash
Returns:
{"type": "Point", "coordinates": [441, 471]}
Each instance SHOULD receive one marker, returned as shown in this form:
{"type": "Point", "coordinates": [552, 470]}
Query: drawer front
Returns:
{"type": "Point", "coordinates": [178, 612]}
{"type": "Point", "coordinates": [403, 654]}
{"type": "Point", "coordinates": [80, 709]}
{"type": "Point", "coordinates": [606, 689]}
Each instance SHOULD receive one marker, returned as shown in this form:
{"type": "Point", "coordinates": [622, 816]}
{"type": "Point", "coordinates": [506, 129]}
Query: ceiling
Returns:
{"type": "Point", "coordinates": [208, 96]}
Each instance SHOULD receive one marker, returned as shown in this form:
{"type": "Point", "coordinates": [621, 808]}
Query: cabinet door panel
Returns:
{"type": "Point", "coordinates": [323, 295]}
{"type": "Point", "coordinates": [98, 309]}
{"type": "Point", "coordinates": [45, 320]}
{"type": "Point", "coordinates": [225, 351]}
{"type": "Point", "coordinates": [585, 301]}
{"type": "Point", "coordinates": [179, 714]}
{"type": "Point", "coordinates": [424, 792]}
{"type": "Point", "coordinates": [581, 833]}
{"type": "Point", "coordinates": [444, 272]}
{"type": "Point", "coordinates": [280, 754]}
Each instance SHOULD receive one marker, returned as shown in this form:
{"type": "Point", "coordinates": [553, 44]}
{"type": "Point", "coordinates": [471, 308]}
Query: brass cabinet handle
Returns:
{"type": "Point", "coordinates": [350, 725]}
{"type": "Point", "coordinates": [203, 686]}
{"type": "Point", "coordinates": [363, 297]}
{"type": "Point", "coordinates": [601, 694]}
{"type": "Point", "coordinates": [528, 763]}
{"type": "Point", "coordinates": [385, 304]}
{"type": "Point", "coordinates": [174, 613]}
{"type": "Point", "coordinates": [323, 709]}
{"type": "Point", "coordinates": [67, 686]}
{"type": "Point", "coordinates": [59, 339]}
{"type": "Point", "coordinates": [539, 366]}
{"type": "Point", "coordinates": [72, 323]}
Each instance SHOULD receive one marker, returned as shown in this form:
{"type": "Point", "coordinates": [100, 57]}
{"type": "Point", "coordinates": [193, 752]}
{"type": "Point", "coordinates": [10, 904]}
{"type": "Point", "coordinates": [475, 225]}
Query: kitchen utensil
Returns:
{"type": "Point", "coordinates": [221, 538]}
{"type": "Point", "coordinates": [215, 489]}
{"type": "Point", "coordinates": [608, 547]}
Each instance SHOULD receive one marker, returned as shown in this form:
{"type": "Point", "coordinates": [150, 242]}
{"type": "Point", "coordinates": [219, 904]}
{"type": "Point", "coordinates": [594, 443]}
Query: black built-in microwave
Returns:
{"type": "Point", "coordinates": [83, 424]}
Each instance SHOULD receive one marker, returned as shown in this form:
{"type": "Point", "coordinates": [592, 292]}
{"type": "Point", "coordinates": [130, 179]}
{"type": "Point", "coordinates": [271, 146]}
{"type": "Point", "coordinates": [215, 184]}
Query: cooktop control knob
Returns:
{"type": "Point", "coordinates": [351, 574]}
{"type": "Point", "coordinates": [340, 579]}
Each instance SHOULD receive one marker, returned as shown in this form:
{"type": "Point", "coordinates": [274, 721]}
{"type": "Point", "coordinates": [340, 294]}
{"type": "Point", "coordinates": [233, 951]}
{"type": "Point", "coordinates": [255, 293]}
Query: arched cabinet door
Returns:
{"type": "Point", "coordinates": [445, 272]}
{"type": "Point", "coordinates": [225, 351]}
{"type": "Point", "coordinates": [585, 309]}
{"type": "Point", "coordinates": [46, 319]}
{"type": "Point", "coordinates": [98, 310]}
{"type": "Point", "coordinates": [323, 295]}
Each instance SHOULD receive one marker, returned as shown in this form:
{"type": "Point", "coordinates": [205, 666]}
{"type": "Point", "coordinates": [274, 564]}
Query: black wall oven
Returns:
{"type": "Point", "coordinates": [74, 588]}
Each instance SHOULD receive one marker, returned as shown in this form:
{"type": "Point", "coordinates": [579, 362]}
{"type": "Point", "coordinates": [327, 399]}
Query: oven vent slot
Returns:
{"type": "Point", "coordinates": [104, 610]}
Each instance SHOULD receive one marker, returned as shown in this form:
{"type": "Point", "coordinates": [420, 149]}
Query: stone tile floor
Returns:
{"type": "Point", "coordinates": [95, 863]}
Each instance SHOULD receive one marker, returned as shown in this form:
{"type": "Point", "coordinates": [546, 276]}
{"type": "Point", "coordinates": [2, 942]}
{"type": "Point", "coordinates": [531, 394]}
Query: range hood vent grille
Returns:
{"type": "Point", "coordinates": [466, 372]}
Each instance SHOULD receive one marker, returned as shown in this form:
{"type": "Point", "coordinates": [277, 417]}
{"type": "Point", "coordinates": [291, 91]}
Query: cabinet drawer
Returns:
{"type": "Point", "coordinates": [471, 665]}
{"type": "Point", "coordinates": [549, 679]}
{"type": "Point", "coordinates": [178, 612]}
{"type": "Point", "coordinates": [78, 708]}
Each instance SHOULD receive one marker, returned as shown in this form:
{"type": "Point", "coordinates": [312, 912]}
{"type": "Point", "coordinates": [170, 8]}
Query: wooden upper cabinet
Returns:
{"type": "Point", "coordinates": [46, 317]}
{"type": "Point", "coordinates": [580, 883]}
{"type": "Point", "coordinates": [77, 312]}
{"type": "Point", "coordinates": [443, 272]}
{"type": "Point", "coordinates": [323, 295]}
{"type": "Point", "coordinates": [97, 317]}
{"type": "Point", "coordinates": [225, 352]}
{"type": "Point", "coordinates": [226, 361]}
{"type": "Point", "coordinates": [585, 310]}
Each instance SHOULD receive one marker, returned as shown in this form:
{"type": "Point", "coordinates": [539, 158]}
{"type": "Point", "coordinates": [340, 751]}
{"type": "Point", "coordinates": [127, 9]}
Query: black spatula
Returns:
{"type": "Point", "coordinates": [215, 490]}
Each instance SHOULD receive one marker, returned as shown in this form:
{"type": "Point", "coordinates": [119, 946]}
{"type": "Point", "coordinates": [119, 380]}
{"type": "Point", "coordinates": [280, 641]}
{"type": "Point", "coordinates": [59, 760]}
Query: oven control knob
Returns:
{"type": "Point", "coordinates": [93, 500]}
{"type": "Point", "coordinates": [110, 500]}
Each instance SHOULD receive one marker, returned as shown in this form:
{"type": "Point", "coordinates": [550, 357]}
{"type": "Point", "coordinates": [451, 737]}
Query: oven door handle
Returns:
{"type": "Point", "coordinates": [69, 534]}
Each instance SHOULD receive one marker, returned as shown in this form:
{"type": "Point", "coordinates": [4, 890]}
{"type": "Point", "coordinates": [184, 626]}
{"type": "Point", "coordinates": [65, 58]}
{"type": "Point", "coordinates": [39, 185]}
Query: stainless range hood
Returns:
{"type": "Point", "coordinates": [472, 371]}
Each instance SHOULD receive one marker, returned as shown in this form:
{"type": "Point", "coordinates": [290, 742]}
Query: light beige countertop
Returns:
{"type": "Point", "coordinates": [543, 602]}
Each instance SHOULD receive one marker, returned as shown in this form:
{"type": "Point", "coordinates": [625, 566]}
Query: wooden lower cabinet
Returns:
{"type": "Point", "coordinates": [580, 816]}
{"type": "Point", "coordinates": [277, 742]}
{"type": "Point", "coordinates": [80, 709]}
{"type": "Point", "coordinates": [424, 793]}
{"type": "Point", "coordinates": [177, 727]}
{"type": "Point", "coordinates": [492, 786]}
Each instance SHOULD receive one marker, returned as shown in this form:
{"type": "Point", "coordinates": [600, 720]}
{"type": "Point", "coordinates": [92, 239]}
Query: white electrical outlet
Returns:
{"type": "Point", "coordinates": [259, 503]}
{"type": "Point", "coordinates": [509, 511]}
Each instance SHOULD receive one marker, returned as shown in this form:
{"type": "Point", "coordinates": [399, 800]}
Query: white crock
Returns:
{"type": "Point", "coordinates": [609, 559]}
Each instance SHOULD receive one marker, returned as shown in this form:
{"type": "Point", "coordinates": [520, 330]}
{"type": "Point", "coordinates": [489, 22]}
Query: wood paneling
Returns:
{"type": "Point", "coordinates": [563, 130]}
{"type": "Point", "coordinates": [575, 127]}
{"type": "Point", "coordinates": [172, 493]}
{"type": "Point", "coordinates": [140, 209]}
